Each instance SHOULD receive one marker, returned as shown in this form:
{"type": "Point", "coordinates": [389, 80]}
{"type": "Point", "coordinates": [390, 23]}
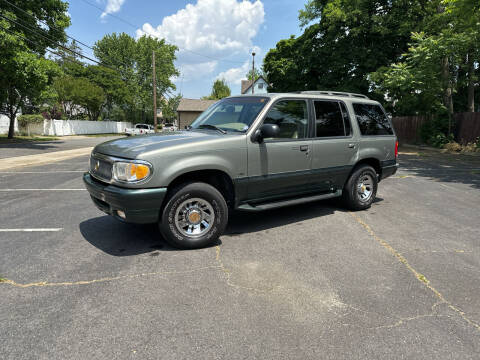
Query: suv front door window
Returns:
{"type": "Point", "coordinates": [291, 116]}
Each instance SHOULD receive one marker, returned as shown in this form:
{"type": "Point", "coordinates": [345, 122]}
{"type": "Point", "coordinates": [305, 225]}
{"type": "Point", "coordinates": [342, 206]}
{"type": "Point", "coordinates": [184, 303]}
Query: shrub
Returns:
{"type": "Point", "coordinates": [52, 112]}
{"type": "Point", "coordinates": [24, 120]}
{"type": "Point", "coordinates": [439, 140]}
{"type": "Point", "coordinates": [453, 146]}
{"type": "Point", "coordinates": [433, 132]}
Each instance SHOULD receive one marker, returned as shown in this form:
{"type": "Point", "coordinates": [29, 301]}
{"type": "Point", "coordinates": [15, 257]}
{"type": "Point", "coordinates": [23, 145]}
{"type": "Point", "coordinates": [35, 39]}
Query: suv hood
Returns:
{"type": "Point", "coordinates": [132, 147]}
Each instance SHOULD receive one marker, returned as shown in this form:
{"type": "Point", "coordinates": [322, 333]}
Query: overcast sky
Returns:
{"type": "Point", "coordinates": [216, 37]}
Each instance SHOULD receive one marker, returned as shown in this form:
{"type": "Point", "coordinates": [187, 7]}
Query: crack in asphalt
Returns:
{"type": "Point", "coordinates": [420, 277]}
{"type": "Point", "coordinates": [102, 280]}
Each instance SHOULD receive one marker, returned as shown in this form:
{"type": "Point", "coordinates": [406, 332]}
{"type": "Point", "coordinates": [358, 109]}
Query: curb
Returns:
{"type": "Point", "coordinates": [441, 151]}
{"type": "Point", "coordinates": [42, 159]}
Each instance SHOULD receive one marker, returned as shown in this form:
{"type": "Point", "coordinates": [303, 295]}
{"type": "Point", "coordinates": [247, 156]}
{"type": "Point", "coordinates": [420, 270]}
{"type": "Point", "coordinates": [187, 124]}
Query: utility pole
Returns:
{"type": "Point", "coordinates": [253, 73]}
{"type": "Point", "coordinates": [155, 125]}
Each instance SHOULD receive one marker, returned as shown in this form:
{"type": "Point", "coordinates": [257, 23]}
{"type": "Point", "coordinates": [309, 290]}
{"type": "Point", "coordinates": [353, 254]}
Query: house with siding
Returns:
{"type": "Point", "coordinates": [189, 109]}
{"type": "Point", "coordinates": [260, 86]}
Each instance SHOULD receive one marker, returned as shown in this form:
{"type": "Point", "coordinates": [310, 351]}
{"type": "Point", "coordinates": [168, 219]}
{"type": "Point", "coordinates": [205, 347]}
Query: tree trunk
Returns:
{"type": "Point", "coordinates": [471, 84]}
{"type": "Point", "coordinates": [448, 93]}
{"type": "Point", "coordinates": [11, 127]}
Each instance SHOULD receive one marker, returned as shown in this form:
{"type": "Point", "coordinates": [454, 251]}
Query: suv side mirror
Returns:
{"type": "Point", "coordinates": [266, 131]}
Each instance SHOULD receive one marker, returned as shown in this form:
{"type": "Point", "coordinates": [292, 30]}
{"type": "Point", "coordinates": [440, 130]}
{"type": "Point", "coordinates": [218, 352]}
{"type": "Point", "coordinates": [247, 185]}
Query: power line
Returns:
{"type": "Point", "coordinates": [70, 37]}
{"type": "Point", "coordinates": [50, 26]}
{"type": "Point", "coordinates": [23, 37]}
{"type": "Point", "coordinates": [51, 40]}
{"type": "Point", "coordinates": [139, 27]}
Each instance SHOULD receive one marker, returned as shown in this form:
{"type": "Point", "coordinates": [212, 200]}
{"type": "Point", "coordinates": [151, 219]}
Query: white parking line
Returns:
{"type": "Point", "coordinates": [32, 230]}
{"type": "Point", "coordinates": [12, 190]}
{"type": "Point", "coordinates": [42, 172]}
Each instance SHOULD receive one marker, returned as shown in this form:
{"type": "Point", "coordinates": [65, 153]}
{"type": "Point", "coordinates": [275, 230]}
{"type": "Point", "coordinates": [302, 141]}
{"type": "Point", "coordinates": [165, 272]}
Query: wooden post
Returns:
{"type": "Point", "coordinates": [154, 82]}
{"type": "Point", "coordinates": [253, 73]}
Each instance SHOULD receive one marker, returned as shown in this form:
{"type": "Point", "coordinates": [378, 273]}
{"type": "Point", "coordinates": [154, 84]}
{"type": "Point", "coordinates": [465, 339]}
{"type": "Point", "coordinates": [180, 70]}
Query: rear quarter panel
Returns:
{"type": "Point", "coordinates": [380, 147]}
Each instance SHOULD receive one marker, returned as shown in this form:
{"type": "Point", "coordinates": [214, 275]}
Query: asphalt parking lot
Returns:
{"type": "Point", "coordinates": [399, 281]}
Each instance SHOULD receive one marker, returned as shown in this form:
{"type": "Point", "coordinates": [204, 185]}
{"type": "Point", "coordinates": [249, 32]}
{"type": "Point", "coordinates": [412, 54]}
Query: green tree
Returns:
{"type": "Point", "coordinates": [64, 87]}
{"type": "Point", "coordinates": [133, 59]}
{"type": "Point", "coordinates": [89, 96]}
{"type": "Point", "coordinates": [169, 107]}
{"type": "Point", "coordinates": [220, 90]}
{"type": "Point", "coordinates": [258, 73]}
{"type": "Point", "coordinates": [24, 72]}
{"type": "Point", "coordinates": [438, 66]}
{"type": "Point", "coordinates": [115, 90]}
{"type": "Point", "coordinates": [345, 41]}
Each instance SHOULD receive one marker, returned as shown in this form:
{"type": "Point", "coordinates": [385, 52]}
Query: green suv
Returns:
{"type": "Point", "coordinates": [250, 153]}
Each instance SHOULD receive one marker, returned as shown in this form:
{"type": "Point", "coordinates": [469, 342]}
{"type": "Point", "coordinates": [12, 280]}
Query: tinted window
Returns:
{"type": "Point", "coordinates": [291, 116]}
{"type": "Point", "coordinates": [372, 120]}
{"type": "Point", "coordinates": [328, 119]}
{"type": "Point", "coordinates": [346, 120]}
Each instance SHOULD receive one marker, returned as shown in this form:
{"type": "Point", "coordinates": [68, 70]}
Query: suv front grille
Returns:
{"type": "Point", "coordinates": [100, 168]}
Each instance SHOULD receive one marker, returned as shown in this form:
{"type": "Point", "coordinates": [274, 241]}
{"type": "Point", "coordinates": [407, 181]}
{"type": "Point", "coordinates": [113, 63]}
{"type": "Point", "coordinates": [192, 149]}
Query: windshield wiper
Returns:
{"type": "Point", "coordinates": [213, 127]}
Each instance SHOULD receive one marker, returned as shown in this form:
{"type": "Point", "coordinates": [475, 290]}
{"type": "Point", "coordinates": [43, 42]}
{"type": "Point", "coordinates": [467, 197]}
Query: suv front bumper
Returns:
{"type": "Point", "coordinates": [141, 206]}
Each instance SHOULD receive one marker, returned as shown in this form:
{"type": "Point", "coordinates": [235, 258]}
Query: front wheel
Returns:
{"type": "Point", "coordinates": [361, 188]}
{"type": "Point", "coordinates": [195, 215]}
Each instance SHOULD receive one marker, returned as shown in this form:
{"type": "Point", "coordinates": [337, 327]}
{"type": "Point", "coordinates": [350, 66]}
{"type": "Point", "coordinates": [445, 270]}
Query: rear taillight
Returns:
{"type": "Point", "coordinates": [396, 149]}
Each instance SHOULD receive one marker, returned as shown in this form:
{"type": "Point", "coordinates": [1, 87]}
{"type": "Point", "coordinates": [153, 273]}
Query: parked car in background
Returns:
{"type": "Point", "coordinates": [140, 129]}
{"type": "Point", "coordinates": [250, 153]}
{"type": "Point", "coordinates": [170, 127]}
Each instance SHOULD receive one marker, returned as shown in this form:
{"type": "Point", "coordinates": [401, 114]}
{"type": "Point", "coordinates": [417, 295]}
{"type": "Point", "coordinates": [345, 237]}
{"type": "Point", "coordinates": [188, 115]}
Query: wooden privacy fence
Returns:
{"type": "Point", "coordinates": [466, 127]}
{"type": "Point", "coordinates": [408, 128]}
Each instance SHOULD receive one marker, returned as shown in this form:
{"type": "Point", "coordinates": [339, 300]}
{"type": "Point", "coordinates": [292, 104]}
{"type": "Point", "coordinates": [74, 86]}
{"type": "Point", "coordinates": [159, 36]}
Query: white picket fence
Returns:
{"type": "Point", "coordinates": [68, 127]}
{"type": "Point", "coordinates": [83, 127]}
{"type": "Point", "coordinates": [5, 123]}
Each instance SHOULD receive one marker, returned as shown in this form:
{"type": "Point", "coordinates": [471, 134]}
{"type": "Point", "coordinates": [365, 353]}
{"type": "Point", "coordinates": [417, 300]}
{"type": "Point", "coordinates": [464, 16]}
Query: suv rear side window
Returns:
{"type": "Point", "coordinates": [291, 116]}
{"type": "Point", "coordinates": [329, 119]}
{"type": "Point", "coordinates": [372, 120]}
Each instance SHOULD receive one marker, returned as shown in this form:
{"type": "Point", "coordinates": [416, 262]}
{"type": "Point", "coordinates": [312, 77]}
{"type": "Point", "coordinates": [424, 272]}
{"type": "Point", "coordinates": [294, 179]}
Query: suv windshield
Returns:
{"type": "Point", "coordinates": [232, 114]}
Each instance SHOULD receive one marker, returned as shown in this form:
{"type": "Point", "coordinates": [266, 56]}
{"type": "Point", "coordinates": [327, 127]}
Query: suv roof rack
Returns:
{"type": "Point", "coordinates": [333, 93]}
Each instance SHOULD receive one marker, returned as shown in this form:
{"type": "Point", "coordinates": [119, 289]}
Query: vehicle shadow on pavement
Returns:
{"type": "Point", "coordinates": [121, 239]}
{"type": "Point", "coordinates": [463, 169]}
{"type": "Point", "coordinates": [250, 222]}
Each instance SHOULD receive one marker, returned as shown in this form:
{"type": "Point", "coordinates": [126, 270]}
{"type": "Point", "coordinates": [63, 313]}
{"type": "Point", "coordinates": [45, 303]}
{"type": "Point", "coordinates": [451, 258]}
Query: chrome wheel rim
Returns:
{"type": "Point", "coordinates": [365, 188]}
{"type": "Point", "coordinates": [194, 217]}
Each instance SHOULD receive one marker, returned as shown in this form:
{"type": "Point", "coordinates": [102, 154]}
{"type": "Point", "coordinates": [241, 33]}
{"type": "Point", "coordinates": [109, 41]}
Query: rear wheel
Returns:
{"type": "Point", "coordinates": [361, 188]}
{"type": "Point", "coordinates": [195, 215]}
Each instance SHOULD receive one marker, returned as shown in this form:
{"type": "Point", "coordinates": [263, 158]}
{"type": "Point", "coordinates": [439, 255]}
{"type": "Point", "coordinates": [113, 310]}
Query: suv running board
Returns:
{"type": "Point", "coordinates": [296, 201]}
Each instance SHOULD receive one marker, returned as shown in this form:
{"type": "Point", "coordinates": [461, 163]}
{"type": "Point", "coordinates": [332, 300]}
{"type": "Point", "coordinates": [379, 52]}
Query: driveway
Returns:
{"type": "Point", "coordinates": [399, 281]}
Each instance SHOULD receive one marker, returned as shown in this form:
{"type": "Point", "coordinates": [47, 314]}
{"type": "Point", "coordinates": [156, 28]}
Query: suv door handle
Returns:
{"type": "Point", "coordinates": [304, 148]}
{"type": "Point", "coordinates": [351, 146]}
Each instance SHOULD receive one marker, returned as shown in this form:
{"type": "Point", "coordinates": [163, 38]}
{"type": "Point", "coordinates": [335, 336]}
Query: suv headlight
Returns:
{"type": "Point", "coordinates": [131, 171]}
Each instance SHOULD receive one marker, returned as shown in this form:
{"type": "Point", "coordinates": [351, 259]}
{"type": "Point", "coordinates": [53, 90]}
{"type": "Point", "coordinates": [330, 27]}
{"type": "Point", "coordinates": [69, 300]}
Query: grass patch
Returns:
{"type": "Point", "coordinates": [2, 280]}
{"type": "Point", "coordinates": [20, 138]}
